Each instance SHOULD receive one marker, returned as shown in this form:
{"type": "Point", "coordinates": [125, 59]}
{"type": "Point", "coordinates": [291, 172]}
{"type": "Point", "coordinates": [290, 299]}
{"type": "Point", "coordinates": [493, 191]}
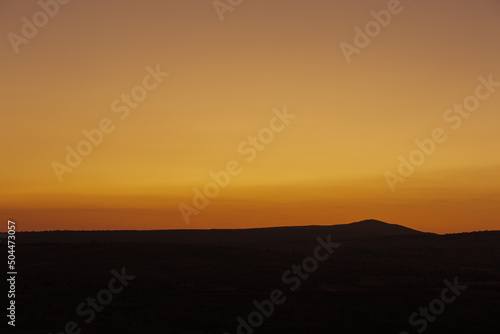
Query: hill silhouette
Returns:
{"type": "Point", "coordinates": [362, 229]}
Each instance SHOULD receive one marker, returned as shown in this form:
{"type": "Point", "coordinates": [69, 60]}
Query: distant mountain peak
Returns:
{"type": "Point", "coordinates": [377, 226]}
{"type": "Point", "coordinates": [371, 221]}
{"type": "Point", "coordinates": [362, 229]}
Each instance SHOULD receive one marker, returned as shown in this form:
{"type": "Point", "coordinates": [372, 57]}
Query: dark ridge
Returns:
{"type": "Point", "coordinates": [362, 229]}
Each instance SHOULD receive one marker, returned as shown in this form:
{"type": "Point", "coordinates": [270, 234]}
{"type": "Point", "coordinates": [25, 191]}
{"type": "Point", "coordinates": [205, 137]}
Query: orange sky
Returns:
{"type": "Point", "coordinates": [327, 166]}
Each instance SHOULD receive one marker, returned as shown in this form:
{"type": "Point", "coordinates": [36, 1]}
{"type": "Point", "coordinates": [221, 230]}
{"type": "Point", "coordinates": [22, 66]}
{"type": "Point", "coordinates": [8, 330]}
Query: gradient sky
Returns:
{"type": "Point", "coordinates": [226, 77]}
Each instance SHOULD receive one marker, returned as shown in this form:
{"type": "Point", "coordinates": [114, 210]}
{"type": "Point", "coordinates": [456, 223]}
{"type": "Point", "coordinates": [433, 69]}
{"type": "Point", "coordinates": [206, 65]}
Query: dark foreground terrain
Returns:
{"type": "Point", "coordinates": [368, 284]}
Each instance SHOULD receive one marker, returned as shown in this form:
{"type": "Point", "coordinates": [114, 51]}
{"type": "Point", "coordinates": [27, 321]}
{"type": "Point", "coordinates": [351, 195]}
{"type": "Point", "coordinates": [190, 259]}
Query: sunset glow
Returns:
{"type": "Point", "coordinates": [208, 88]}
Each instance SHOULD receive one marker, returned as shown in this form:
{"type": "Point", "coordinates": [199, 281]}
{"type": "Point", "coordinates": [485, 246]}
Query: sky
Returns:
{"type": "Point", "coordinates": [308, 111]}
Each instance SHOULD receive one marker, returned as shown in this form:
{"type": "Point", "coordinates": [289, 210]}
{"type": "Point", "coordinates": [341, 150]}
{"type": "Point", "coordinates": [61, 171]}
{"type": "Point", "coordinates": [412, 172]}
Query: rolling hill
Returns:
{"type": "Point", "coordinates": [362, 229]}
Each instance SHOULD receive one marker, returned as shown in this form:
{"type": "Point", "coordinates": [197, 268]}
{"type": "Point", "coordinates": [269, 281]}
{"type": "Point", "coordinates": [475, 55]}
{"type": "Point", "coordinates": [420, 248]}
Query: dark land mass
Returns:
{"type": "Point", "coordinates": [379, 276]}
{"type": "Point", "coordinates": [363, 229]}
